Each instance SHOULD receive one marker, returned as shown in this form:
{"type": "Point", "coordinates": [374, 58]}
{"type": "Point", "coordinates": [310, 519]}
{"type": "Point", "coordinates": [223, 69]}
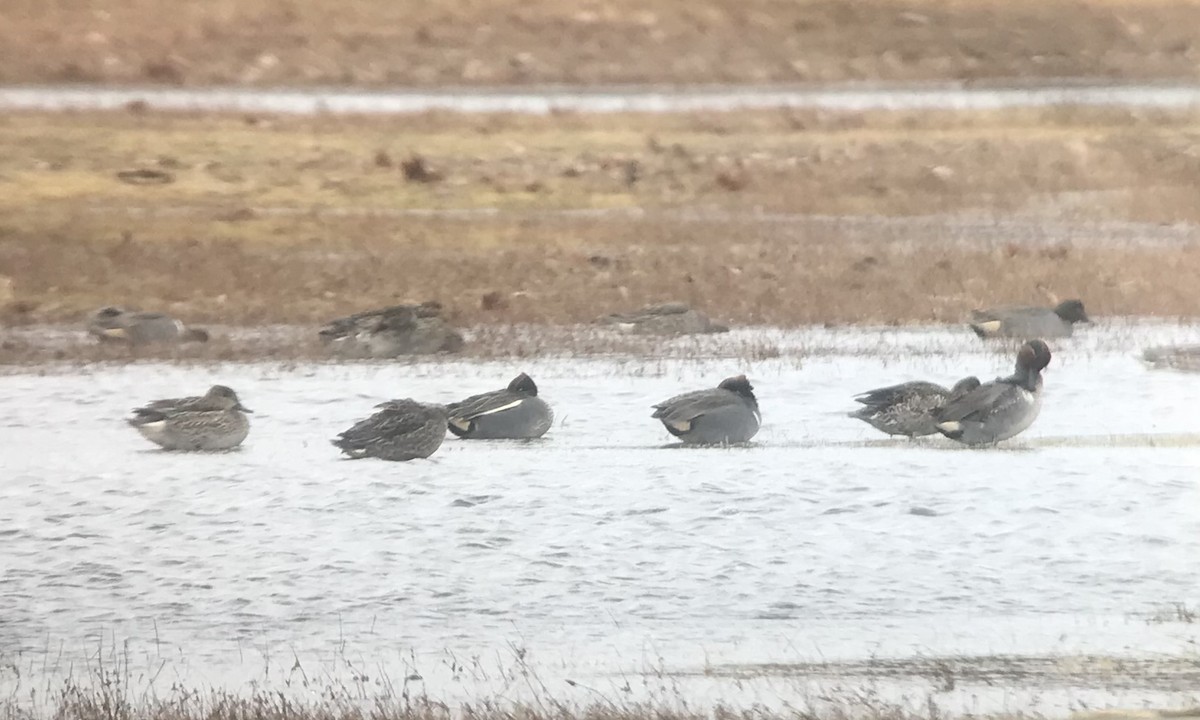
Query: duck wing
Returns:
{"type": "Point", "coordinates": [162, 409]}
{"type": "Point", "coordinates": [978, 403]}
{"type": "Point", "coordinates": [397, 417]}
{"type": "Point", "coordinates": [689, 406]}
{"type": "Point", "coordinates": [898, 394]}
{"type": "Point", "coordinates": [484, 404]}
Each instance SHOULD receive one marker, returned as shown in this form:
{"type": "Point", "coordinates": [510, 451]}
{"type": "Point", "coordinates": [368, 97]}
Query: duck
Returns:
{"type": "Point", "coordinates": [514, 413]}
{"type": "Point", "coordinates": [1000, 409]}
{"type": "Point", "coordinates": [401, 430]}
{"type": "Point", "coordinates": [213, 421]}
{"type": "Point", "coordinates": [1173, 357]}
{"type": "Point", "coordinates": [671, 318]}
{"type": "Point", "coordinates": [908, 408]}
{"type": "Point", "coordinates": [1026, 322]}
{"type": "Point", "coordinates": [116, 324]}
{"type": "Point", "coordinates": [407, 329]}
{"type": "Point", "coordinates": [725, 415]}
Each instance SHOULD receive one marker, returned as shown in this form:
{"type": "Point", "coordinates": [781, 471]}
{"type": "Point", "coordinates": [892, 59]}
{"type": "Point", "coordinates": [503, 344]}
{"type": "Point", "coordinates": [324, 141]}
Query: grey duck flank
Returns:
{"type": "Point", "coordinates": [401, 430]}
{"type": "Point", "coordinates": [1029, 323]}
{"type": "Point", "coordinates": [1000, 409]}
{"type": "Point", "coordinates": [724, 415]}
{"type": "Point", "coordinates": [392, 331]}
{"type": "Point", "coordinates": [514, 413]}
{"type": "Point", "coordinates": [114, 324]}
{"type": "Point", "coordinates": [214, 421]}
{"type": "Point", "coordinates": [908, 408]}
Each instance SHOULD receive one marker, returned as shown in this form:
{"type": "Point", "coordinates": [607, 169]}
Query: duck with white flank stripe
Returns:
{"type": "Point", "coordinates": [514, 413]}
{"type": "Point", "coordinates": [1029, 322]}
{"type": "Point", "coordinates": [908, 408]}
{"type": "Point", "coordinates": [1000, 409]}
{"type": "Point", "coordinates": [401, 430]}
{"type": "Point", "coordinates": [725, 415]}
{"type": "Point", "coordinates": [214, 421]}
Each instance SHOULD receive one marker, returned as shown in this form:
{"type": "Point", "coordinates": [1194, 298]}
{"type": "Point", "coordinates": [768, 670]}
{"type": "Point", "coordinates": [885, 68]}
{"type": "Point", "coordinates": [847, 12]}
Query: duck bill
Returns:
{"type": "Point", "coordinates": [243, 408]}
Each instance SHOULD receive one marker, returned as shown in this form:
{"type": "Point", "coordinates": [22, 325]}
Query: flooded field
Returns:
{"type": "Point", "coordinates": [612, 99]}
{"type": "Point", "coordinates": [1040, 576]}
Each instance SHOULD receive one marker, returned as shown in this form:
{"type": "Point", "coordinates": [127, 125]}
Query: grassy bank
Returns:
{"type": "Point", "coordinates": [110, 693]}
{"type": "Point", "coordinates": [257, 220]}
{"type": "Point", "coordinates": [483, 42]}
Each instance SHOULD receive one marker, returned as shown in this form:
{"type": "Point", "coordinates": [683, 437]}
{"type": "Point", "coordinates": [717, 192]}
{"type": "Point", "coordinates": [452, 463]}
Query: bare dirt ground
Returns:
{"type": "Point", "coordinates": [487, 42]}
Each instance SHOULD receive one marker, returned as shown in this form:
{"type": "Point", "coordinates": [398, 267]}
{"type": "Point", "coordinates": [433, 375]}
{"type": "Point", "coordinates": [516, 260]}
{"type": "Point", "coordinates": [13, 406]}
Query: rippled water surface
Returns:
{"type": "Point", "coordinates": [598, 548]}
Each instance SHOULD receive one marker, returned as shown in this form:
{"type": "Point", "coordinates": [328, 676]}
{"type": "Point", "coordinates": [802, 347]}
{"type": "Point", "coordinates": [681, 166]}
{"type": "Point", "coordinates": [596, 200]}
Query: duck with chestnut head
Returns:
{"type": "Point", "coordinates": [1000, 409]}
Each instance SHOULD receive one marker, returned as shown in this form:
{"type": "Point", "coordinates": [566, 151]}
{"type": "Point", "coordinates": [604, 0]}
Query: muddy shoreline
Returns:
{"type": "Point", "coordinates": [757, 218]}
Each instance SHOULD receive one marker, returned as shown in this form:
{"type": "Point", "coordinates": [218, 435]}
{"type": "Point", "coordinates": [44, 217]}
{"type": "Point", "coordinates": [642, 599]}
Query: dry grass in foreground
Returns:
{"type": "Point", "coordinates": [107, 696]}
{"type": "Point", "coordinates": [485, 42]}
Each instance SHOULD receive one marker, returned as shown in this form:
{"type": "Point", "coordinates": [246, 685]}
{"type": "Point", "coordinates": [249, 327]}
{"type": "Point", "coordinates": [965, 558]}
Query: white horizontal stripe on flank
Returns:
{"type": "Point", "coordinates": [502, 408]}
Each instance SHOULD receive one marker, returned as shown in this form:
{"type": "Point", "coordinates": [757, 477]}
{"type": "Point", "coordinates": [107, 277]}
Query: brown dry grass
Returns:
{"type": "Point", "coordinates": [1118, 163]}
{"type": "Point", "coordinates": [408, 42]}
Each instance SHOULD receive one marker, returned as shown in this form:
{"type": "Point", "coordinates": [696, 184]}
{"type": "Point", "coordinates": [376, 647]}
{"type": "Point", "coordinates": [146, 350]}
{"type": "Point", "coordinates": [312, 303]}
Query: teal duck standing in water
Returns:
{"type": "Point", "coordinates": [514, 413]}
{"type": "Point", "coordinates": [114, 324]}
{"type": "Point", "coordinates": [1028, 323]}
{"type": "Point", "coordinates": [391, 332]}
{"type": "Point", "coordinates": [214, 421]}
{"type": "Point", "coordinates": [1000, 409]}
{"type": "Point", "coordinates": [401, 430]}
{"type": "Point", "coordinates": [727, 414]}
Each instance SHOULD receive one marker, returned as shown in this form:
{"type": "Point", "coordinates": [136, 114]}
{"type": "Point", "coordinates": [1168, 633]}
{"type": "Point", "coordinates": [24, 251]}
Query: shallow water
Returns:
{"type": "Point", "coordinates": [542, 100]}
{"type": "Point", "coordinates": [598, 549]}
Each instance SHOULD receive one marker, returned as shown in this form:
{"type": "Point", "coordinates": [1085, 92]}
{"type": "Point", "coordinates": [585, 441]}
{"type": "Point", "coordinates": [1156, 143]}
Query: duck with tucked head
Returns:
{"type": "Point", "coordinates": [670, 318]}
{"type": "Point", "coordinates": [1000, 409]}
{"type": "Point", "coordinates": [214, 421]}
{"type": "Point", "coordinates": [514, 413]}
{"type": "Point", "coordinates": [401, 430]}
{"type": "Point", "coordinates": [727, 414]}
{"type": "Point", "coordinates": [1029, 322]}
{"type": "Point", "coordinates": [408, 329]}
{"type": "Point", "coordinates": [908, 408]}
{"type": "Point", "coordinates": [114, 324]}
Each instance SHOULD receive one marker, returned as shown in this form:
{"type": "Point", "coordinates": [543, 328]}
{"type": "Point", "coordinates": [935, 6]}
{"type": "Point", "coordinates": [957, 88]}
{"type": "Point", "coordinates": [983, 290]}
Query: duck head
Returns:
{"type": "Point", "coordinates": [964, 386]}
{"type": "Point", "coordinates": [1072, 311]}
{"type": "Point", "coordinates": [740, 385]}
{"type": "Point", "coordinates": [524, 385]}
{"type": "Point", "coordinates": [1033, 356]}
{"type": "Point", "coordinates": [224, 398]}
